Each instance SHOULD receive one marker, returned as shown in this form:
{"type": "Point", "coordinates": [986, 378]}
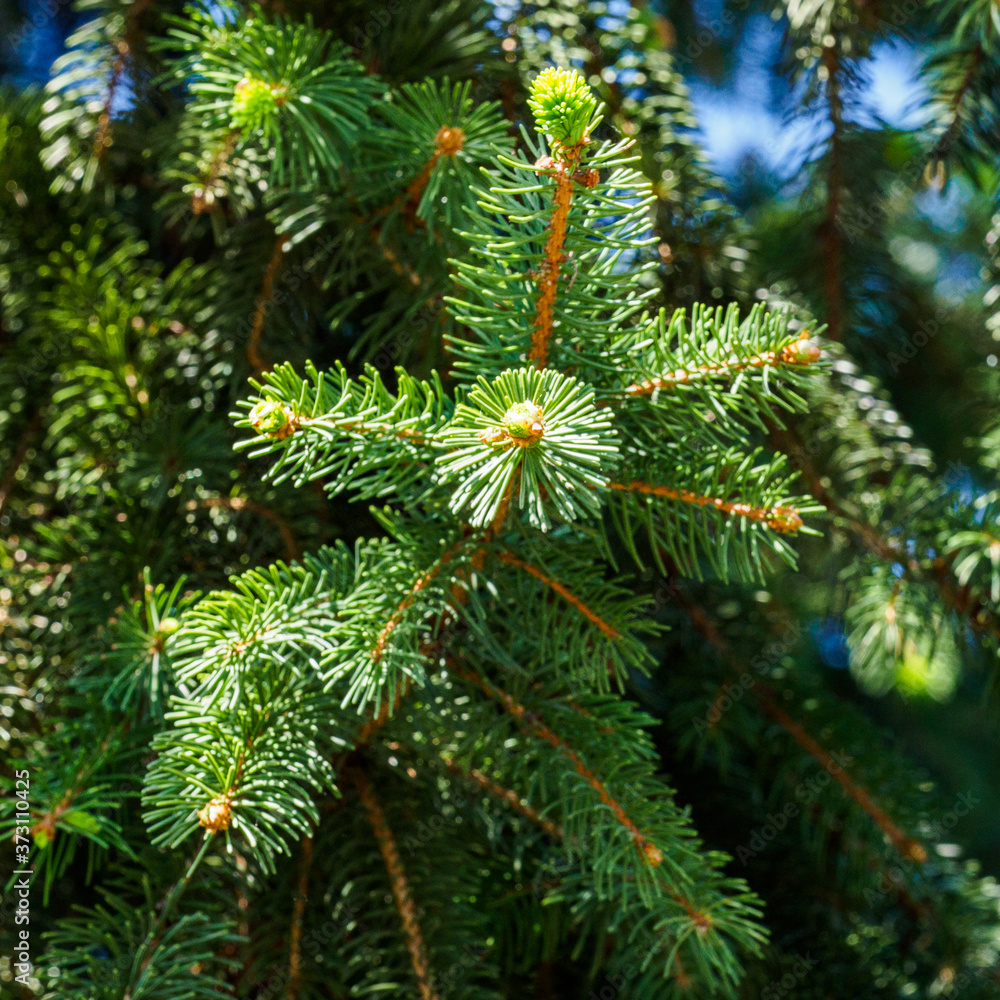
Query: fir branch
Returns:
{"type": "Point", "coordinates": [263, 300]}
{"type": "Point", "coordinates": [399, 885]}
{"type": "Point", "coordinates": [608, 630]}
{"type": "Point", "coordinates": [425, 578]}
{"type": "Point", "coordinates": [908, 848]}
{"type": "Point", "coordinates": [781, 519]}
{"type": "Point", "coordinates": [978, 613]}
{"type": "Point", "coordinates": [505, 795]}
{"type": "Point", "coordinates": [530, 722]}
{"type": "Point", "coordinates": [794, 353]}
{"type": "Point", "coordinates": [292, 548]}
{"type": "Point", "coordinates": [943, 146]}
{"type": "Point", "coordinates": [830, 231]}
{"type": "Point", "coordinates": [298, 911]}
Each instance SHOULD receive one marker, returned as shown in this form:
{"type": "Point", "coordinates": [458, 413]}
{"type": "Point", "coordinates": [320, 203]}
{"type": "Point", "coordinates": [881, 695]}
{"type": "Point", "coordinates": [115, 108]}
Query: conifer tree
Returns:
{"type": "Point", "coordinates": [464, 650]}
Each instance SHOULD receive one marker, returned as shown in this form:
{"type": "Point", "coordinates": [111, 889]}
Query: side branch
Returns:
{"type": "Point", "coordinates": [908, 847]}
{"type": "Point", "coordinates": [263, 300]}
{"type": "Point", "coordinates": [797, 353]}
{"type": "Point", "coordinates": [411, 595]}
{"type": "Point", "coordinates": [592, 616]}
{"type": "Point", "coordinates": [944, 144]}
{"type": "Point", "coordinates": [400, 887]}
{"type": "Point", "coordinates": [506, 795]}
{"type": "Point", "coordinates": [960, 599]}
{"type": "Point", "coordinates": [783, 519]}
{"type": "Point", "coordinates": [531, 722]}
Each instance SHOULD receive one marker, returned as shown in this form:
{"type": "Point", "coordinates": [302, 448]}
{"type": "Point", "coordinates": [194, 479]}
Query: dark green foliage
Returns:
{"type": "Point", "coordinates": [527, 727]}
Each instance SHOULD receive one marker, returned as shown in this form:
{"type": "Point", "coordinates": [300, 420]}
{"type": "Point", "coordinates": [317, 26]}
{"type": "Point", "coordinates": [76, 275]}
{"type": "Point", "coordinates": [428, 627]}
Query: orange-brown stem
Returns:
{"type": "Point", "coordinates": [592, 616]}
{"type": "Point", "coordinates": [787, 356]}
{"type": "Point", "coordinates": [549, 272]}
{"type": "Point", "coordinates": [531, 722]}
{"type": "Point", "coordinates": [298, 911]}
{"type": "Point", "coordinates": [505, 795]}
{"type": "Point", "coordinates": [400, 887]}
{"type": "Point", "coordinates": [959, 598]}
{"type": "Point", "coordinates": [783, 519]}
{"type": "Point", "coordinates": [379, 649]}
{"type": "Point", "coordinates": [240, 503]}
{"type": "Point", "coordinates": [907, 846]}
{"type": "Point", "coordinates": [260, 311]}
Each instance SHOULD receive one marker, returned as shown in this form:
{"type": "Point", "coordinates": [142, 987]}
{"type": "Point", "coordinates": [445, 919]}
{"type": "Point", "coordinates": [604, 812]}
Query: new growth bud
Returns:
{"type": "Point", "coordinates": [525, 422]}
{"type": "Point", "coordinates": [273, 419]}
{"type": "Point", "coordinates": [255, 103]}
{"type": "Point", "coordinates": [216, 815]}
{"type": "Point", "coordinates": [563, 106]}
{"type": "Point", "coordinates": [802, 351]}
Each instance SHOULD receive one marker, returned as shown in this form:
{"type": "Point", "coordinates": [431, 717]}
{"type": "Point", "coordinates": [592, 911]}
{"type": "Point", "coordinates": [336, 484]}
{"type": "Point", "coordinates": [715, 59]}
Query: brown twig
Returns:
{"type": "Point", "coordinates": [240, 503]}
{"type": "Point", "coordinates": [830, 229]}
{"type": "Point", "coordinates": [652, 854]}
{"type": "Point", "coordinates": [399, 885]}
{"type": "Point", "coordinates": [591, 616]}
{"type": "Point", "coordinates": [792, 354]}
{"type": "Point", "coordinates": [260, 311]}
{"type": "Point", "coordinates": [959, 598]}
{"type": "Point", "coordinates": [782, 519]}
{"type": "Point", "coordinates": [908, 848]}
{"type": "Point", "coordinates": [379, 649]}
{"type": "Point", "coordinates": [298, 911]}
{"type": "Point", "coordinates": [505, 795]}
{"type": "Point", "coordinates": [944, 144]}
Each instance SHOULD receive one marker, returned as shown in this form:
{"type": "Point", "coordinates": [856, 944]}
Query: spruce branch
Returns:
{"type": "Point", "coordinates": [608, 630]}
{"type": "Point", "coordinates": [506, 795]}
{"type": "Point", "coordinates": [908, 847]}
{"type": "Point", "coordinates": [831, 232]}
{"type": "Point", "coordinates": [263, 300]}
{"type": "Point", "coordinates": [781, 519]}
{"type": "Point", "coordinates": [651, 854]}
{"type": "Point", "coordinates": [399, 885]}
{"type": "Point", "coordinates": [298, 911]}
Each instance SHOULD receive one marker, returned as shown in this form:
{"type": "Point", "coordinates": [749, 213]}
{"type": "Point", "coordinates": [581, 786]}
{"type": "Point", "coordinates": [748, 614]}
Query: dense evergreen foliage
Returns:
{"type": "Point", "coordinates": [434, 507]}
